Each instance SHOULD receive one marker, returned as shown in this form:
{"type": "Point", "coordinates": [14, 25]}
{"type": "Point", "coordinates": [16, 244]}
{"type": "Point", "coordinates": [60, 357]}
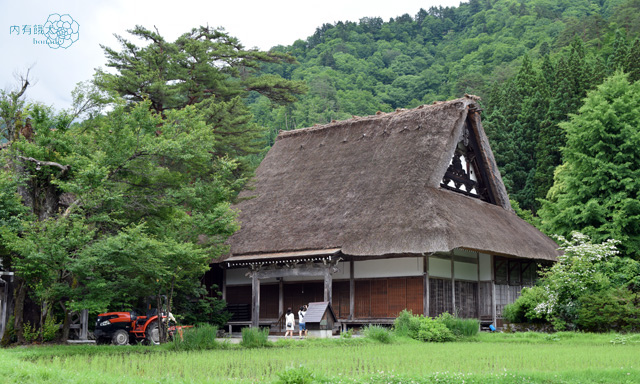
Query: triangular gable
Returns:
{"type": "Point", "coordinates": [467, 172]}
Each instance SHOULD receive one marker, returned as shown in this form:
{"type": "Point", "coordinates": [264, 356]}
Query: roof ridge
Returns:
{"type": "Point", "coordinates": [467, 100]}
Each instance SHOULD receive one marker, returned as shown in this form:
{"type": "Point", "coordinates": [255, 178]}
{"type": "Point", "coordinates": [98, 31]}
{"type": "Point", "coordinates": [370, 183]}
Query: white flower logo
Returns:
{"type": "Point", "coordinates": [61, 31]}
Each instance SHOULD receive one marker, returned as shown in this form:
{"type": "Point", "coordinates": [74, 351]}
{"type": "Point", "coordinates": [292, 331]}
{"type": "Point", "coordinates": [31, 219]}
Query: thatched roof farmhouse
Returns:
{"type": "Point", "coordinates": [381, 213]}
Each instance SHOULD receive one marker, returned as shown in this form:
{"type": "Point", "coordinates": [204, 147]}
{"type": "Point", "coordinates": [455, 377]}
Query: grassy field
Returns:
{"type": "Point", "coordinates": [487, 358]}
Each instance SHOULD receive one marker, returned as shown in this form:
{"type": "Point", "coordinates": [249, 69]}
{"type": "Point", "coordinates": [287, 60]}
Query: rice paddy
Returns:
{"type": "Point", "coordinates": [488, 358]}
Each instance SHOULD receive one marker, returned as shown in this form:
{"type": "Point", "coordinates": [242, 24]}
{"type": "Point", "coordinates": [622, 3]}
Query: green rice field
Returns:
{"type": "Point", "coordinates": [487, 358]}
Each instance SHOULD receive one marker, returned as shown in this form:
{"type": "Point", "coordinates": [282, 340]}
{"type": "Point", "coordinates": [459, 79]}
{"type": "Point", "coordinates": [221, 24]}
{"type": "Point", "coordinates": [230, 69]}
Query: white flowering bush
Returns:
{"type": "Point", "coordinates": [585, 269]}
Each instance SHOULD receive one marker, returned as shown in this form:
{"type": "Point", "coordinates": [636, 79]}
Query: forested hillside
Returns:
{"type": "Point", "coordinates": [532, 62]}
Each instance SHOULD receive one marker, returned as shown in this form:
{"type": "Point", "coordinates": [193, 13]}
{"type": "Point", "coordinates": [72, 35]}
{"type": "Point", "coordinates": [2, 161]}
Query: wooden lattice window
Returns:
{"type": "Point", "coordinates": [465, 173]}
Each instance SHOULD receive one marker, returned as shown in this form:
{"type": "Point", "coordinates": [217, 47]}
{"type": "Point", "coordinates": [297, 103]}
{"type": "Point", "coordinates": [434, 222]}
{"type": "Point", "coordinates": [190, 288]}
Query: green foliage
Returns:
{"type": "Point", "coordinates": [211, 310]}
{"type": "Point", "coordinates": [346, 335]}
{"type": "Point", "coordinates": [615, 309]}
{"type": "Point", "coordinates": [29, 332]}
{"type": "Point", "coordinates": [255, 337]}
{"type": "Point", "coordinates": [422, 328]}
{"type": "Point", "coordinates": [596, 188]}
{"type": "Point", "coordinates": [206, 70]}
{"type": "Point", "coordinates": [589, 288]}
{"type": "Point", "coordinates": [524, 308]}
{"type": "Point", "coordinates": [459, 327]}
{"type": "Point", "coordinates": [50, 329]}
{"type": "Point", "coordinates": [299, 375]}
{"type": "Point", "coordinates": [199, 338]}
{"type": "Point", "coordinates": [378, 333]}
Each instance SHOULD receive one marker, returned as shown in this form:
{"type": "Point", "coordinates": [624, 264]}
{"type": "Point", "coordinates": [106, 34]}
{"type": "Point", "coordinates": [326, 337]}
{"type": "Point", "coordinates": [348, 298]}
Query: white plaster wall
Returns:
{"type": "Point", "coordinates": [465, 271]}
{"type": "Point", "coordinates": [485, 267]}
{"type": "Point", "coordinates": [406, 266]}
{"type": "Point", "coordinates": [439, 267]}
{"type": "Point", "coordinates": [236, 276]}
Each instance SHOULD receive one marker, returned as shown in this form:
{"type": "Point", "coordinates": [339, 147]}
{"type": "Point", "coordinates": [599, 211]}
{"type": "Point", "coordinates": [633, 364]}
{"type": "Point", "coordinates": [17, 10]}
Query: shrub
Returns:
{"type": "Point", "coordinates": [459, 327]}
{"type": "Point", "coordinates": [199, 338]}
{"type": "Point", "coordinates": [406, 324]}
{"type": "Point", "coordinates": [254, 337]}
{"type": "Point", "coordinates": [613, 309]}
{"type": "Point", "coordinates": [433, 330]}
{"type": "Point", "coordinates": [29, 332]}
{"type": "Point", "coordinates": [347, 335]}
{"type": "Point", "coordinates": [50, 329]}
{"type": "Point", "coordinates": [421, 328]}
{"type": "Point", "coordinates": [524, 309]}
{"type": "Point", "coordinates": [299, 375]}
{"type": "Point", "coordinates": [378, 333]}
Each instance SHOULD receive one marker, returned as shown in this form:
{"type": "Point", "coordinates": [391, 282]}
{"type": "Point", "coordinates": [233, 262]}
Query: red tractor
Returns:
{"type": "Point", "coordinates": [121, 328]}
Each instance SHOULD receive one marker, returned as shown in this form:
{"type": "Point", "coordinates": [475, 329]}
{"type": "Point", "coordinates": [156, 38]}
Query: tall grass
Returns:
{"type": "Point", "coordinates": [200, 338]}
{"type": "Point", "coordinates": [460, 327]}
{"type": "Point", "coordinates": [255, 337]}
{"type": "Point", "coordinates": [378, 333]}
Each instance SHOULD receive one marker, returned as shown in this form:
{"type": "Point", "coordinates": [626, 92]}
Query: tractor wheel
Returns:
{"type": "Point", "coordinates": [120, 337]}
{"type": "Point", "coordinates": [153, 336]}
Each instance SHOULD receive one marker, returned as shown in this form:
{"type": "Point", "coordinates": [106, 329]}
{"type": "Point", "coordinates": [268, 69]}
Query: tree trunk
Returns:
{"type": "Point", "coordinates": [18, 311]}
{"type": "Point", "coordinates": [66, 325]}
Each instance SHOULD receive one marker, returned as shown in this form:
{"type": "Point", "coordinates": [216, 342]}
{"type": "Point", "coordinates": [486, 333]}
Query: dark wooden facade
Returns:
{"type": "Point", "coordinates": [384, 298]}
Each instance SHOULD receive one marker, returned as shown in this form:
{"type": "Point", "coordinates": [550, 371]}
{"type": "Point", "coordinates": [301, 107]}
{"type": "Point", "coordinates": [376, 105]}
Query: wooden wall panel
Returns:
{"type": "Point", "coordinates": [296, 294]}
{"type": "Point", "coordinates": [485, 300]}
{"type": "Point", "coordinates": [239, 294]}
{"type": "Point", "coordinates": [269, 301]}
{"type": "Point", "coordinates": [415, 291]}
{"type": "Point", "coordinates": [440, 296]}
{"type": "Point", "coordinates": [379, 298]}
{"type": "Point", "coordinates": [340, 299]}
{"type": "Point", "coordinates": [363, 299]}
{"type": "Point", "coordinates": [397, 296]}
{"type": "Point", "coordinates": [466, 299]}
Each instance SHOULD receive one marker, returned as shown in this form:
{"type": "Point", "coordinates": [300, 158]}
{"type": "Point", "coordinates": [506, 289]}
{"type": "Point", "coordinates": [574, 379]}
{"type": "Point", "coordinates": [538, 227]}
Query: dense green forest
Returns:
{"type": "Point", "coordinates": [531, 61]}
{"type": "Point", "coordinates": [128, 194]}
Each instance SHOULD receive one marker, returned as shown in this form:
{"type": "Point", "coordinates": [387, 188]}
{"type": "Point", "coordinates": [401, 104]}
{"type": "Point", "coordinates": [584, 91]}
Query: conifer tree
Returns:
{"type": "Point", "coordinates": [596, 189]}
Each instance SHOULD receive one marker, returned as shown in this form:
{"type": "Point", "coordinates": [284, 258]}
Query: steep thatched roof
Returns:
{"type": "Point", "coordinates": [371, 187]}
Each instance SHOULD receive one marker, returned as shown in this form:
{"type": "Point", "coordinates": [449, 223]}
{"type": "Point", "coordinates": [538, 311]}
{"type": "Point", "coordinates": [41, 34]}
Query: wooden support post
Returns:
{"type": "Point", "coordinates": [425, 288]}
{"type": "Point", "coordinates": [84, 324]}
{"type": "Point", "coordinates": [280, 298]}
{"type": "Point", "coordinates": [352, 290]}
{"type": "Point", "coordinates": [494, 318]}
{"type": "Point", "coordinates": [478, 287]}
{"type": "Point", "coordinates": [255, 300]}
{"type": "Point", "coordinates": [453, 286]}
{"type": "Point", "coordinates": [328, 281]}
{"type": "Point", "coordinates": [224, 284]}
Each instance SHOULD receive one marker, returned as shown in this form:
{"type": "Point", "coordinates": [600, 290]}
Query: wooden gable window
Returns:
{"type": "Point", "coordinates": [465, 173]}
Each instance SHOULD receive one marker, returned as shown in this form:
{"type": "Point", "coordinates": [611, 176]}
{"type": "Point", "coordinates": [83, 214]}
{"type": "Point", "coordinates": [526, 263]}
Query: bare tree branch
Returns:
{"type": "Point", "coordinates": [63, 168]}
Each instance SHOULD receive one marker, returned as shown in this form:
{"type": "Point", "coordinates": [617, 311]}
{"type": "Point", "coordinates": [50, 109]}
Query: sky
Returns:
{"type": "Point", "coordinates": [55, 69]}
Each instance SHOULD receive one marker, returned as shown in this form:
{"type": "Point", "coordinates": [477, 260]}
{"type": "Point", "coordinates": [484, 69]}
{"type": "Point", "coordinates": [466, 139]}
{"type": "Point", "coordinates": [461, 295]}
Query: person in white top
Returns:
{"type": "Point", "coordinates": [290, 322]}
{"type": "Point", "coordinates": [301, 314]}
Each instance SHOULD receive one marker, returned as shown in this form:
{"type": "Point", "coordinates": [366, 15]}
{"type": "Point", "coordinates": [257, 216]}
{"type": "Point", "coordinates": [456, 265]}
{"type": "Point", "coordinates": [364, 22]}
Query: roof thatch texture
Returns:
{"type": "Point", "coordinates": [371, 186]}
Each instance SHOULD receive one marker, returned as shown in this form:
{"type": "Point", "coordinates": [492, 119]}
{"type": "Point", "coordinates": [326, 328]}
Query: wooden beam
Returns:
{"type": "Point", "coordinates": [493, 293]}
{"type": "Point", "coordinates": [352, 290]}
{"type": "Point", "coordinates": [328, 282]}
{"type": "Point", "coordinates": [425, 288]}
{"type": "Point", "coordinates": [453, 286]}
{"type": "Point", "coordinates": [280, 298]}
{"type": "Point", "coordinates": [84, 324]}
{"type": "Point", "coordinates": [315, 270]}
{"type": "Point", "coordinates": [478, 288]}
{"type": "Point", "coordinates": [224, 284]}
{"type": "Point", "coordinates": [255, 300]}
